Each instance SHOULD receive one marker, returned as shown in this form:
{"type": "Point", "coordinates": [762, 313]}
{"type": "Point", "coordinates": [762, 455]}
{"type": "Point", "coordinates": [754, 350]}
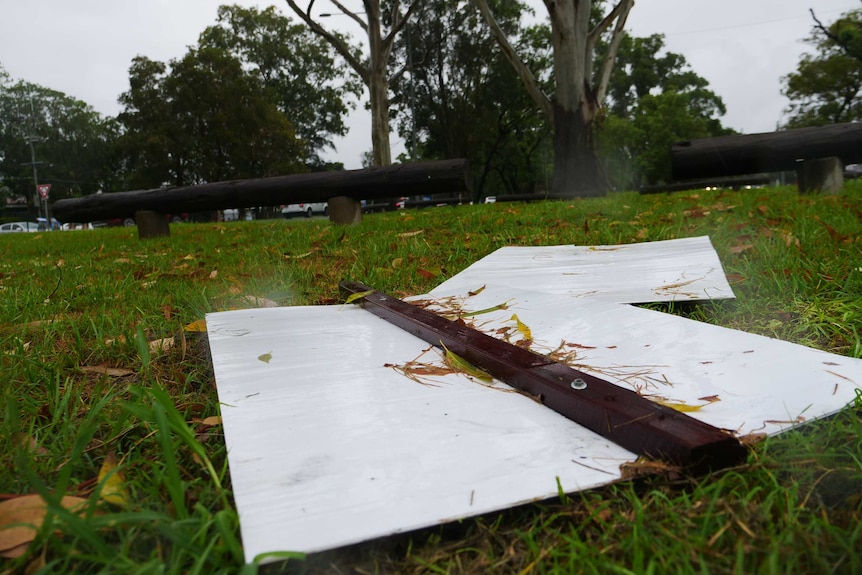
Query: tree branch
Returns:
{"type": "Point", "coordinates": [398, 24]}
{"type": "Point", "coordinates": [355, 17]}
{"type": "Point", "coordinates": [340, 45]}
{"type": "Point", "coordinates": [530, 82]}
{"type": "Point", "coordinates": [608, 64]}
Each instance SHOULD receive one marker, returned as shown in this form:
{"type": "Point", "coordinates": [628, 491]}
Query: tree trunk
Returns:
{"type": "Point", "coordinates": [576, 167]}
{"type": "Point", "coordinates": [576, 170]}
{"type": "Point", "coordinates": [379, 97]}
{"type": "Point", "coordinates": [378, 88]}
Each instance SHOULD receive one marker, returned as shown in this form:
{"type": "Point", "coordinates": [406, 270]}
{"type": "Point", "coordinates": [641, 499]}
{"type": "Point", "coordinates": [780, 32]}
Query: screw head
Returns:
{"type": "Point", "coordinates": [579, 384]}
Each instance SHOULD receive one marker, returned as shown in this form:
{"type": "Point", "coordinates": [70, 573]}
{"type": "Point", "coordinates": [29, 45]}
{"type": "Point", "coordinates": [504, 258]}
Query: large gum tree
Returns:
{"type": "Point", "coordinates": [581, 83]}
{"type": "Point", "coordinates": [382, 27]}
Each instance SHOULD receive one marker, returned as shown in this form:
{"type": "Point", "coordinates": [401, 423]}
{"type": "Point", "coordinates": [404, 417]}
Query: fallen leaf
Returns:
{"type": "Point", "coordinates": [266, 357]}
{"type": "Point", "coordinates": [197, 326]}
{"type": "Point", "coordinates": [458, 363]}
{"type": "Point", "coordinates": [164, 344]}
{"type": "Point", "coordinates": [429, 274]}
{"type": "Point", "coordinates": [522, 327]}
{"type": "Point", "coordinates": [358, 295]}
{"type": "Point", "coordinates": [684, 407]}
{"type": "Point", "coordinates": [209, 421]}
{"type": "Point", "coordinates": [20, 519]}
{"type": "Point", "coordinates": [410, 234]}
{"type": "Point", "coordinates": [213, 274]}
{"type": "Point", "coordinates": [105, 370]}
{"type": "Point", "coordinates": [741, 248]}
{"type": "Point", "coordinates": [113, 482]}
{"type": "Point", "coordinates": [396, 263]}
{"type": "Point", "coordinates": [31, 445]}
{"type": "Point", "coordinates": [476, 292]}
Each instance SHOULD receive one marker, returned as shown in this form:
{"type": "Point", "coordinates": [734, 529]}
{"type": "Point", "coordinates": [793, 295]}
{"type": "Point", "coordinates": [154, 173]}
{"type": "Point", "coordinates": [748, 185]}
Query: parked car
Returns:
{"type": "Point", "coordinates": [77, 226]}
{"type": "Point", "coordinates": [306, 210]}
{"type": "Point", "coordinates": [12, 227]}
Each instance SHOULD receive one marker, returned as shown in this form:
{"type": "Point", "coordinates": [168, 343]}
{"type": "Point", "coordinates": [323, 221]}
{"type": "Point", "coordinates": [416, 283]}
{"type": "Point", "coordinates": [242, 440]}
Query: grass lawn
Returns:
{"type": "Point", "coordinates": [108, 406]}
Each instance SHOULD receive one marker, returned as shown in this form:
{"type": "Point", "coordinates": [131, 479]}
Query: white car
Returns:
{"type": "Point", "coordinates": [306, 210]}
{"type": "Point", "coordinates": [19, 227]}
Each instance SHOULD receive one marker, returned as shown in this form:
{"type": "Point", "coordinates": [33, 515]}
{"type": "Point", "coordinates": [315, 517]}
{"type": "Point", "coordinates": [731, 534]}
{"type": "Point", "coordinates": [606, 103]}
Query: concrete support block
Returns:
{"type": "Point", "coordinates": [152, 224]}
{"type": "Point", "coordinates": [344, 210]}
{"type": "Point", "coordinates": [824, 175]}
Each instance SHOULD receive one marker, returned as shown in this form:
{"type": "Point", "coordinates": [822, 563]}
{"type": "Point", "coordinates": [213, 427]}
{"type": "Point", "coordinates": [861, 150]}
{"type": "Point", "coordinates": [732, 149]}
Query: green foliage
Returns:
{"type": "Point", "coordinates": [206, 120]}
{"type": "Point", "coordinates": [459, 97]}
{"type": "Point", "coordinates": [825, 89]}
{"type": "Point", "coordinates": [655, 99]}
{"type": "Point", "coordinates": [73, 142]}
{"type": "Point", "coordinates": [258, 96]}
{"type": "Point", "coordinates": [308, 84]}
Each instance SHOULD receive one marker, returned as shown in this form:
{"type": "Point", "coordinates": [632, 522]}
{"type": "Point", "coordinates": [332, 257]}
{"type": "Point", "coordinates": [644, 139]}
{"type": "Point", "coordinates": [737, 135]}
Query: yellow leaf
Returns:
{"type": "Point", "coordinates": [21, 517]}
{"type": "Point", "coordinates": [199, 325]}
{"type": "Point", "coordinates": [522, 327]}
{"type": "Point", "coordinates": [266, 357]}
{"type": "Point", "coordinates": [458, 363]}
{"type": "Point", "coordinates": [113, 482]}
{"type": "Point", "coordinates": [359, 295]}
{"type": "Point", "coordinates": [684, 407]}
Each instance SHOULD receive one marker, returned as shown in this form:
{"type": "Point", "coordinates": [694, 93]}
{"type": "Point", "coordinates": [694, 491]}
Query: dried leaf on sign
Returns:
{"type": "Point", "coordinates": [358, 295]}
{"type": "Point", "coordinates": [458, 363]}
{"type": "Point", "coordinates": [522, 327]}
{"type": "Point", "coordinates": [265, 357]}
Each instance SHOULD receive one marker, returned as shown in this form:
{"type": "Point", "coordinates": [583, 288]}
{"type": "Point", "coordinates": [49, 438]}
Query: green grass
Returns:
{"type": "Point", "coordinates": [69, 301]}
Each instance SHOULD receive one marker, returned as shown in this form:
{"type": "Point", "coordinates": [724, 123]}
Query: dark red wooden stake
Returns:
{"type": "Point", "coordinates": [621, 415]}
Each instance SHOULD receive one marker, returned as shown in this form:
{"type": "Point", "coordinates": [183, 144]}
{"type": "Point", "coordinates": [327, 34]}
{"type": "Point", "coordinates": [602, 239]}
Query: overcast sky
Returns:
{"type": "Point", "coordinates": [84, 47]}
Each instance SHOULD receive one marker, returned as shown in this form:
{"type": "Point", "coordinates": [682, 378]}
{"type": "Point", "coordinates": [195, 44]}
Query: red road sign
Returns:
{"type": "Point", "coordinates": [44, 189]}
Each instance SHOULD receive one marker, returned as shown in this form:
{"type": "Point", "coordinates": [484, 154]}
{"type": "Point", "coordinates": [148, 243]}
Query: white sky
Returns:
{"type": "Point", "coordinates": [84, 48]}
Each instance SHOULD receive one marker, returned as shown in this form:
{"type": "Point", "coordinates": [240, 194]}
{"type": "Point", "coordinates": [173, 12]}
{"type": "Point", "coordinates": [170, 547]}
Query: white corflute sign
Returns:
{"type": "Point", "coordinates": [342, 428]}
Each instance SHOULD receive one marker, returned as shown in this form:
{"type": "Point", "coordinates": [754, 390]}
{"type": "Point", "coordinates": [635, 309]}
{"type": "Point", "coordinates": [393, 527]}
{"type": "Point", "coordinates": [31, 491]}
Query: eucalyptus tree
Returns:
{"type": "Point", "coordinates": [581, 83]}
{"type": "Point", "coordinates": [382, 24]}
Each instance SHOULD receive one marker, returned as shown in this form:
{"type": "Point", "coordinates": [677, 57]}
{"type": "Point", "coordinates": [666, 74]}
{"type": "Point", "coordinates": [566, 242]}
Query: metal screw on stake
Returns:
{"type": "Point", "coordinates": [579, 383]}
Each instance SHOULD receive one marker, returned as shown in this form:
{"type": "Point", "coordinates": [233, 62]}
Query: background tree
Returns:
{"type": "Point", "coordinates": [825, 89]}
{"type": "Point", "coordinates": [374, 71]}
{"type": "Point", "coordinates": [580, 85]}
{"type": "Point", "coordinates": [204, 120]}
{"type": "Point", "coordinates": [308, 83]}
{"type": "Point", "coordinates": [459, 97]}
{"type": "Point", "coordinates": [654, 100]}
{"type": "Point", "coordinates": [72, 141]}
